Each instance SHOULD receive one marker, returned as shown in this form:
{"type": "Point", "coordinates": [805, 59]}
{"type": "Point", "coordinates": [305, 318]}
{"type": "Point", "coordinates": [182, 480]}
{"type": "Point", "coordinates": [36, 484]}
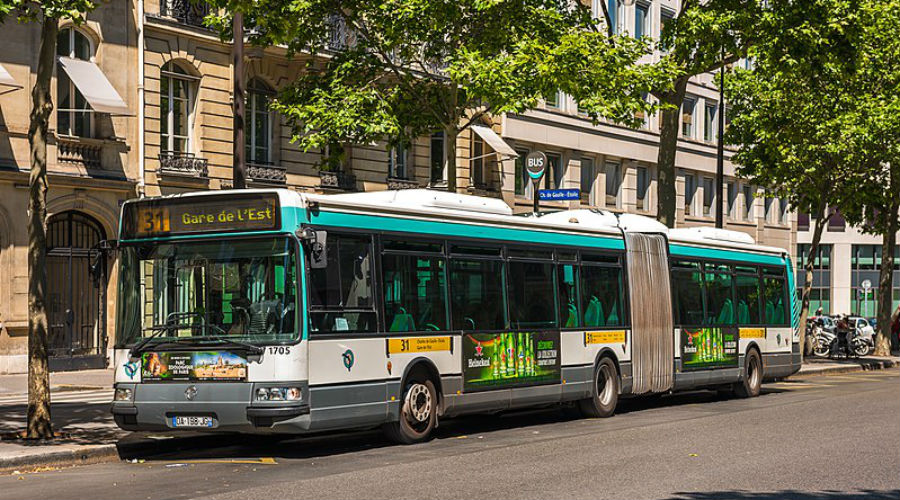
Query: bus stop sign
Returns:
{"type": "Point", "coordinates": [535, 165]}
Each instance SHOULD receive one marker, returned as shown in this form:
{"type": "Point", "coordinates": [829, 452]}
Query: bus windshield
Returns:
{"type": "Point", "coordinates": [235, 290]}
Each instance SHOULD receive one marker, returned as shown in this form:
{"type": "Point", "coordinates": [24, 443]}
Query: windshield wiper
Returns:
{"type": "Point", "coordinates": [157, 330]}
{"type": "Point", "coordinates": [255, 349]}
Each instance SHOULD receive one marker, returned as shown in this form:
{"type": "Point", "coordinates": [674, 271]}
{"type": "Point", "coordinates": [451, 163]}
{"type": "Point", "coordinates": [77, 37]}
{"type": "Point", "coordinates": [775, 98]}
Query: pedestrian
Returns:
{"type": "Point", "coordinates": [895, 328]}
{"type": "Point", "coordinates": [819, 311]}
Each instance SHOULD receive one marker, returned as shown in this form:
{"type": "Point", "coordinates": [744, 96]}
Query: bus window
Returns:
{"type": "Point", "coordinates": [414, 293]}
{"type": "Point", "coordinates": [747, 288]}
{"type": "Point", "coordinates": [719, 304]}
{"type": "Point", "coordinates": [532, 301]}
{"type": "Point", "coordinates": [687, 293]}
{"type": "Point", "coordinates": [775, 301]}
{"type": "Point", "coordinates": [340, 294]}
{"type": "Point", "coordinates": [601, 296]}
{"type": "Point", "coordinates": [477, 298]}
{"type": "Point", "coordinates": [569, 312]}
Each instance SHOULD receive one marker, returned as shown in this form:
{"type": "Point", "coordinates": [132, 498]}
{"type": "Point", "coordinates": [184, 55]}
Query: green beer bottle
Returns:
{"type": "Point", "coordinates": [495, 362]}
{"type": "Point", "coordinates": [510, 354]}
{"type": "Point", "coordinates": [520, 369]}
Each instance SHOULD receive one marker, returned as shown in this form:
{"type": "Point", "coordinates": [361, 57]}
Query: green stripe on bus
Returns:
{"type": "Point", "coordinates": [377, 223]}
{"type": "Point", "coordinates": [734, 255]}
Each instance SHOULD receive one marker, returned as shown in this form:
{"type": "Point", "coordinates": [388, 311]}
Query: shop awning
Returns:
{"type": "Point", "coordinates": [7, 80]}
{"type": "Point", "coordinates": [94, 86]}
{"type": "Point", "coordinates": [494, 141]}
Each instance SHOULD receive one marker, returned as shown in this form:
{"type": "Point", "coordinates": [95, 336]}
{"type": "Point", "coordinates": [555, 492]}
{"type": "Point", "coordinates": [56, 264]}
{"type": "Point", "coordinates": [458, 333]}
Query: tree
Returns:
{"type": "Point", "coordinates": [875, 134]}
{"type": "Point", "coordinates": [792, 114]}
{"type": "Point", "coordinates": [702, 37]}
{"type": "Point", "coordinates": [47, 13]}
{"type": "Point", "coordinates": [394, 70]}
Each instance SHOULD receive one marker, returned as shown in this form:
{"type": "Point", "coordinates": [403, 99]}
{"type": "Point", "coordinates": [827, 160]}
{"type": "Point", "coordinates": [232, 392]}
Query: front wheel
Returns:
{"type": "Point", "coordinates": [418, 414]}
{"type": "Point", "coordinates": [605, 394]}
{"type": "Point", "coordinates": [751, 383]}
{"type": "Point", "coordinates": [822, 347]}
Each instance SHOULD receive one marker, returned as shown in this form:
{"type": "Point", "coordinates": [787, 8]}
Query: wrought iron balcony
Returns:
{"type": "Point", "coordinates": [182, 164]}
{"type": "Point", "coordinates": [337, 179]}
{"type": "Point", "coordinates": [266, 173]}
{"type": "Point", "coordinates": [339, 36]}
{"type": "Point", "coordinates": [79, 151]}
{"type": "Point", "coordinates": [398, 183]}
{"type": "Point", "coordinates": [184, 11]}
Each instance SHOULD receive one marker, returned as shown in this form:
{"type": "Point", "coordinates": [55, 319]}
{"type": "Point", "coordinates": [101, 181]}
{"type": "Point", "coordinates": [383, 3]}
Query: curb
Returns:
{"type": "Point", "coordinates": [79, 456]}
{"type": "Point", "coordinates": [861, 367]}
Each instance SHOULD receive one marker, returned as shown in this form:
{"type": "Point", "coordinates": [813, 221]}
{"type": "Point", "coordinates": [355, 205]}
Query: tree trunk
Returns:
{"type": "Point", "coordinates": [807, 343]}
{"type": "Point", "coordinates": [39, 426]}
{"type": "Point", "coordinates": [665, 161]}
{"type": "Point", "coordinates": [885, 288]}
{"type": "Point", "coordinates": [450, 135]}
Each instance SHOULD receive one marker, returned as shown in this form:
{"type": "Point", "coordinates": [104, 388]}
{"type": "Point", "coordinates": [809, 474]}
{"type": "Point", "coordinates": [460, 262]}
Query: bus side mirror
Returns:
{"type": "Point", "coordinates": [317, 245]}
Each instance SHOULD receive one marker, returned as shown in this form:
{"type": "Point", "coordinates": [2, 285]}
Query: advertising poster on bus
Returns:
{"type": "Point", "coordinates": [709, 347]}
{"type": "Point", "coordinates": [192, 366]}
{"type": "Point", "coordinates": [493, 361]}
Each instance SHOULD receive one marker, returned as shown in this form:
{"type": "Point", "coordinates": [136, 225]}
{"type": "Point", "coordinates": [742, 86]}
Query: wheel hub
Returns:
{"type": "Point", "coordinates": [418, 403]}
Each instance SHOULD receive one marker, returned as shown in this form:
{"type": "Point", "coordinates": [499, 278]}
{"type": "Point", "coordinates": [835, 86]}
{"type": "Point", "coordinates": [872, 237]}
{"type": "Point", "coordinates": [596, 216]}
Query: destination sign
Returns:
{"type": "Point", "coordinates": [201, 214]}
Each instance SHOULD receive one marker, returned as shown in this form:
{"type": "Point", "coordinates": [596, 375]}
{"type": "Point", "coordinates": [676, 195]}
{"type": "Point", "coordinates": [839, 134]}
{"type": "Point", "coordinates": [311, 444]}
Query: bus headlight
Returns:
{"type": "Point", "coordinates": [123, 394]}
{"type": "Point", "coordinates": [279, 394]}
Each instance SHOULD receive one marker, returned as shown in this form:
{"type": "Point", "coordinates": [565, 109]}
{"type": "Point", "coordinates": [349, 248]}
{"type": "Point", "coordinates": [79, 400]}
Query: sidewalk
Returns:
{"type": "Point", "coordinates": [814, 365]}
{"type": "Point", "coordinates": [60, 381]}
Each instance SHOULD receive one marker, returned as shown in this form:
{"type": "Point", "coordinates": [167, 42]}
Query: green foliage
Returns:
{"type": "Point", "coordinates": [816, 121]}
{"type": "Point", "coordinates": [27, 11]}
{"type": "Point", "coordinates": [412, 67]}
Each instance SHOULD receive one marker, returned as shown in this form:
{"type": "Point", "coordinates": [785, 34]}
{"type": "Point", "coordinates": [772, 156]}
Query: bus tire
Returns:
{"type": "Point", "coordinates": [751, 382]}
{"type": "Point", "coordinates": [604, 392]}
{"type": "Point", "coordinates": [418, 413]}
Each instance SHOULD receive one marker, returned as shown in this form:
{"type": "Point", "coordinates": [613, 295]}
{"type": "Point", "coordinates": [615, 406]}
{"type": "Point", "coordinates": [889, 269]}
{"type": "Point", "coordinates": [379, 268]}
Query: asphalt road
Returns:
{"type": "Point", "coordinates": [816, 438]}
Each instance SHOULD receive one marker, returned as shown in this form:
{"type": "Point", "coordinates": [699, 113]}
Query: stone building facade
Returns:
{"type": "Point", "coordinates": [175, 78]}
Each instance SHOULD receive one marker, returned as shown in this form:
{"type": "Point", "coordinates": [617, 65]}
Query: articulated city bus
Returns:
{"type": "Point", "coordinates": [274, 311]}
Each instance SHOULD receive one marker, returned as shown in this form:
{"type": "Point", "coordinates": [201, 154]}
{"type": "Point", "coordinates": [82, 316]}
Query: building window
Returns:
{"type": "Point", "coordinates": [553, 177]}
{"type": "Point", "coordinates": [709, 195]}
{"type": "Point", "coordinates": [666, 16]}
{"type": "Point", "coordinates": [836, 222]}
{"type": "Point", "coordinates": [399, 156]}
{"type": "Point", "coordinates": [770, 210]}
{"type": "Point", "coordinates": [748, 202]}
{"type": "Point", "coordinates": [641, 20]}
{"type": "Point", "coordinates": [616, 10]}
{"type": "Point", "coordinates": [588, 178]}
{"type": "Point", "coordinates": [687, 118]}
{"type": "Point", "coordinates": [522, 179]}
{"type": "Point", "coordinates": [478, 175]}
{"type": "Point", "coordinates": [176, 103]}
{"type": "Point", "coordinates": [732, 207]}
{"type": "Point", "coordinates": [258, 136]}
{"type": "Point", "coordinates": [643, 185]}
{"type": "Point", "coordinates": [820, 290]}
{"type": "Point", "coordinates": [690, 189]}
{"type": "Point", "coordinates": [783, 211]}
{"type": "Point", "coordinates": [802, 221]}
{"type": "Point", "coordinates": [865, 264]}
{"type": "Point", "coordinates": [552, 101]}
{"type": "Point", "coordinates": [437, 158]}
{"type": "Point", "coordinates": [74, 115]}
{"type": "Point", "coordinates": [709, 123]}
{"type": "Point", "coordinates": [613, 183]}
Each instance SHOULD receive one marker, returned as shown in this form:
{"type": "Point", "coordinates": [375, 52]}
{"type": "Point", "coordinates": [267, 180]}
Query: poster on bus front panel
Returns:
{"type": "Point", "coordinates": [709, 347]}
{"type": "Point", "coordinates": [498, 360]}
{"type": "Point", "coordinates": [171, 366]}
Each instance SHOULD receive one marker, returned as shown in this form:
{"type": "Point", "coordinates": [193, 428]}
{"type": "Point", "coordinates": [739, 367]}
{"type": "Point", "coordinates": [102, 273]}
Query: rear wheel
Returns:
{"type": "Point", "coordinates": [751, 383]}
{"type": "Point", "coordinates": [822, 347]}
{"type": "Point", "coordinates": [418, 413]}
{"type": "Point", "coordinates": [605, 395]}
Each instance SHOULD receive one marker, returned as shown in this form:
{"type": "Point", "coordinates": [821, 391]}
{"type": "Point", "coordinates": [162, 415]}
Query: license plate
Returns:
{"type": "Point", "coordinates": [193, 422]}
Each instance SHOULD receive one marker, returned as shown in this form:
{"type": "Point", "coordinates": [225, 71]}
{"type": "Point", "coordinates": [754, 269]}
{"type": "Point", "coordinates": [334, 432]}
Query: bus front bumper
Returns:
{"type": "Point", "coordinates": [221, 407]}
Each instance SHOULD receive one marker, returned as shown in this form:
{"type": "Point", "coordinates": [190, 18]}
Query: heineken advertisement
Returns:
{"type": "Point", "coordinates": [496, 360]}
{"type": "Point", "coordinates": [709, 347]}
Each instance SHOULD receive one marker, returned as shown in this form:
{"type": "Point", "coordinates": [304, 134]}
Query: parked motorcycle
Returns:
{"type": "Point", "coordinates": [849, 342]}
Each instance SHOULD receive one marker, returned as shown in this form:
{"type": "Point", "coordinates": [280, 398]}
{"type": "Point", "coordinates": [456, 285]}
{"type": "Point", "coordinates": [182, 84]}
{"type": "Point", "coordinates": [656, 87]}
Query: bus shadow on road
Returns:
{"type": "Point", "coordinates": [790, 495]}
{"type": "Point", "coordinates": [228, 446]}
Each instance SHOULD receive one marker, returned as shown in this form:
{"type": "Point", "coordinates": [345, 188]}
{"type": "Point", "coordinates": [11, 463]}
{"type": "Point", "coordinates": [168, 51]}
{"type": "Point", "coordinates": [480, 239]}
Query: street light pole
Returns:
{"type": "Point", "coordinates": [237, 105]}
{"type": "Point", "coordinates": [720, 150]}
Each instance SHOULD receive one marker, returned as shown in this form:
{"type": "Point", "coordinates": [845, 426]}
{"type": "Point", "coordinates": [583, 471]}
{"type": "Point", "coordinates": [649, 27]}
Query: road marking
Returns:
{"type": "Point", "coordinates": [88, 397]}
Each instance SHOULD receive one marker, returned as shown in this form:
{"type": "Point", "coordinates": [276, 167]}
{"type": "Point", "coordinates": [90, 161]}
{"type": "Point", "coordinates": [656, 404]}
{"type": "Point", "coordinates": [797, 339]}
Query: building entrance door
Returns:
{"type": "Point", "coordinates": [76, 292]}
